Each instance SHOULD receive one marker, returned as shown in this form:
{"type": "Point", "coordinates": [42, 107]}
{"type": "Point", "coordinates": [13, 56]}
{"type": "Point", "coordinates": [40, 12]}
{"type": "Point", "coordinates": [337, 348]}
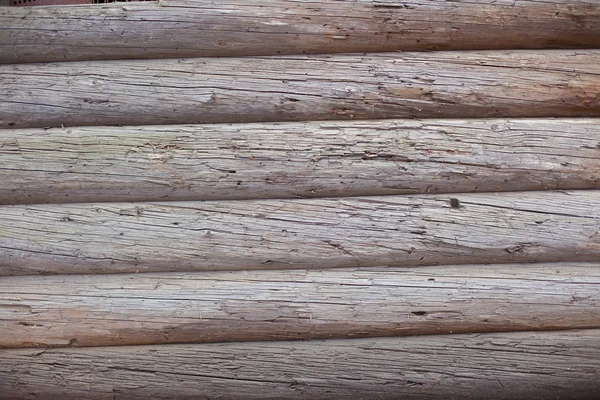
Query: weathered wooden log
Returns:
{"type": "Point", "coordinates": [311, 233]}
{"type": "Point", "coordinates": [386, 85]}
{"type": "Point", "coordinates": [518, 365]}
{"type": "Point", "coordinates": [193, 28]}
{"type": "Point", "coordinates": [245, 161]}
{"type": "Point", "coordinates": [99, 310]}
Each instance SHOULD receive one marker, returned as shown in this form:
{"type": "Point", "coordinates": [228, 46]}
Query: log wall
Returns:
{"type": "Point", "coordinates": [313, 233]}
{"type": "Point", "coordinates": [136, 309]}
{"type": "Point", "coordinates": [170, 227]}
{"type": "Point", "coordinates": [299, 88]}
{"type": "Point", "coordinates": [194, 28]}
{"type": "Point", "coordinates": [297, 160]}
{"type": "Point", "coordinates": [527, 365]}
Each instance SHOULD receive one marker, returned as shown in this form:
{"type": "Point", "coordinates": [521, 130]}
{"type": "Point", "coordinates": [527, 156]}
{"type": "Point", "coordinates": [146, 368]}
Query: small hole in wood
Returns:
{"type": "Point", "coordinates": [455, 203]}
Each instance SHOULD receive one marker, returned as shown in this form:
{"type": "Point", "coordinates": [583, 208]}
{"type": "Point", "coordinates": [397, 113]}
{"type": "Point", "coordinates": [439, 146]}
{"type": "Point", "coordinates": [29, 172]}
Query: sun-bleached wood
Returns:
{"type": "Point", "coordinates": [101, 310]}
{"type": "Point", "coordinates": [310, 233]}
{"type": "Point", "coordinates": [295, 88]}
{"type": "Point", "coordinates": [287, 160]}
{"type": "Point", "coordinates": [561, 365]}
{"type": "Point", "coordinates": [193, 28]}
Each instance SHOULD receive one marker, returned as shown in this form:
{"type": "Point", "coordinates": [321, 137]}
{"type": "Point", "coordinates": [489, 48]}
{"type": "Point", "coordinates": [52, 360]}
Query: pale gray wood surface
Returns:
{"type": "Point", "coordinates": [311, 233]}
{"type": "Point", "coordinates": [100, 310]}
{"type": "Point", "coordinates": [287, 160]}
{"type": "Point", "coordinates": [384, 85]}
{"type": "Point", "coordinates": [519, 365]}
{"type": "Point", "coordinates": [193, 28]}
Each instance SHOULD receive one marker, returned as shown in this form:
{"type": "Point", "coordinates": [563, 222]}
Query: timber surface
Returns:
{"type": "Point", "coordinates": [312, 233]}
{"type": "Point", "coordinates": [517, 365]}
{"type": "Point", "coordinates": [194, 28]}
{"type": "Point", "coordinates": [295, 88]}
{"type": "Point", "coordinates": [296, 160]}
{"type": "Point", "coordinates": [165, 308]}
{"type": "Point", "coordinates": [258, 216]}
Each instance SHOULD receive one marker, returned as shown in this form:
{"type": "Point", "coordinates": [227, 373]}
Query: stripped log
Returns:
{"type": "Point", "coordinates": [193, 28]}
{"type": "Point", "coordinates": [518, 365]}
{"type": "Point", "coordinates": [386, 85]}
{"type": "Point", "coordinates": [312, 233]}
{"type": "Point", "coordinates": [246, 161]}
{"type": "Point", "coordinates": [102, 310]}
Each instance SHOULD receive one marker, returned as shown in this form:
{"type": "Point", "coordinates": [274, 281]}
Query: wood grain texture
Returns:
{"type": "Point", "coordinates": [101, 310]}
{"type": "Point", "coordinates": [295, 88]}
{"type": "Point", "coordinates": [311, 233]}
{"type": "Point", "coordinates": [291, 160]}
{"type": "Point", "coordinates": [518, 365]}
{"type": "Point", "coordinates": [193, 28]}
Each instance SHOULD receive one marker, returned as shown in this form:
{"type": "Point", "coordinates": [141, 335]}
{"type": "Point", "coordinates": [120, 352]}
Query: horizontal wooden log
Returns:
{"type": "Point", "coordinates": [193, 28]}
{"type": "Point", "coordinates": [312, 233]}
{"type": "Point", "coordinates": [99, 310]}
{"type": "Point", "coordinates": [287, 160]}
{"type": "Point", "coordinates": [562, 365]}
{"type": "Point", "coordinates": [295, 88]}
